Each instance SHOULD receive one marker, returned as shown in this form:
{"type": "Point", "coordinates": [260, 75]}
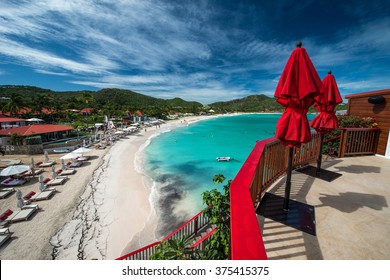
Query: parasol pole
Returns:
{"type": "Point", "coordinates": [319, 159]}
{"type": "Point", "coordinates": [287, 190]}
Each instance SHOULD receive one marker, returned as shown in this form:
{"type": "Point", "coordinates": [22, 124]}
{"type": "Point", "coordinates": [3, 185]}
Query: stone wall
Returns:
{"type": "Point", "coordinates": [23, 150]}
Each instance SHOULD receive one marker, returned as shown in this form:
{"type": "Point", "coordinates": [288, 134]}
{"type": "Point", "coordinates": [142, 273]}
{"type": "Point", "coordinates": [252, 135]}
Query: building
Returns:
{"type": "Point", "coordinates": [374, 104]}
{"type": "Point", "coordinates": [7, 122]}
{"type": "Point", "coordinates": [47, 132]}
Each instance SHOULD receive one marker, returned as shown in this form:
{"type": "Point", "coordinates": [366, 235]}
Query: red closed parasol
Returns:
{"type": "Point", "coordinates": [325, 103]}
{"type": "Point", "coordinates": [297, 87]}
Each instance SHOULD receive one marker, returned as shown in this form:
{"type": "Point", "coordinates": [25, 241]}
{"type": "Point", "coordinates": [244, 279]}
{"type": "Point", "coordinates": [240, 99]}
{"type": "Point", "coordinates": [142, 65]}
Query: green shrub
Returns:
{"type": "Point", "coordinates": [33, 140]}
{"type": "Point", "coordinates": [331, 148]}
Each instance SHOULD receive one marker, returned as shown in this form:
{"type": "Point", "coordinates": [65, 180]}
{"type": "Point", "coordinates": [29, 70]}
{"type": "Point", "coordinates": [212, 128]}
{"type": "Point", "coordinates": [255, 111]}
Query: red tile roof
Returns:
{"type": "Point", "coordinates": [6, 119]}
{"type": "Point", "coordinates": [35, 129]}
{"type": "Point", "coordinates": [86, 110]}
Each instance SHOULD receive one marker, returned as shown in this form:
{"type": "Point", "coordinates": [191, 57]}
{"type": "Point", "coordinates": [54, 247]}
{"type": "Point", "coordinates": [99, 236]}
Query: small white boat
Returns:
{"type": "Point", "coordinates": [224, 158]}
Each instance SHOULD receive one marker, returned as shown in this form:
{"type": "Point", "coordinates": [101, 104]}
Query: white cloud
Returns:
{"type": "Point", "coordinates": [51, 73]}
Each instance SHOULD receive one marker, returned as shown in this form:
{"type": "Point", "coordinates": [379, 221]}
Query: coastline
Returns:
{"type": "Point", "coordinates": [101, 212]}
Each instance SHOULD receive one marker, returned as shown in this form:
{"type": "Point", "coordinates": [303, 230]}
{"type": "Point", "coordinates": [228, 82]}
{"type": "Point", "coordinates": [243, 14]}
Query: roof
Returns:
{"type": "Point", "coordinates": [6, 119]}
{"type": "Point", "coordinates": [370, 93]}
{"type": "Point", "coordinates": [35, 129]}
{"type": "Point", "coordinates": [86, 110]}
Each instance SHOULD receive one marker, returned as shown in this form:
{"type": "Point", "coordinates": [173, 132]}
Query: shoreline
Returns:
{"type": "Point", "coordinates": [101, 212]}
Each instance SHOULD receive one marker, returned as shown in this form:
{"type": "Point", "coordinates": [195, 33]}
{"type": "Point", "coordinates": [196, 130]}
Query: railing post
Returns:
{"type": "Point", "coordinates": [196, 225]}
{"type": "Point", "coordinates": [342, 143]}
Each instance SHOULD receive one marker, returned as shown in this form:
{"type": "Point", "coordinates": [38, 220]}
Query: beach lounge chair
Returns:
{"type": "Point", "coordinates": [23, 214]}
{"type": "Point", "coordinates": [4, 237]}
{"type": "Point", "coordinates": [81, 158]}
{"type": "Point", "coordinates": [8, 162]}
{"type": "Point", "coordinates": [28, 196]}
{"type": "Point", "coordinates": [6, 192]}
{"type": "Point", "coordinates": [72, 164]}
{"type": "Point", "coordinates": [47, 164]}
{"type": "Point", "coordinates": [66, 172]}
{"type": "Point", "coordinates": [4, 231]}
{"type": "Point", "coordinates": [36, 171]}
{"type": "Point", "coordinates": [46, 194]}
{"type": "Point", "coordinates": [4, 217]}
{"type": "Point", "coordinates": [12, 182]}
{"type": "Point", "coordinates": [59, 180]}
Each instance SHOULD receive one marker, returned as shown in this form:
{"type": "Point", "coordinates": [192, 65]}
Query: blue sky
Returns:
{"type": "Point", "coordinates": [205, 51]}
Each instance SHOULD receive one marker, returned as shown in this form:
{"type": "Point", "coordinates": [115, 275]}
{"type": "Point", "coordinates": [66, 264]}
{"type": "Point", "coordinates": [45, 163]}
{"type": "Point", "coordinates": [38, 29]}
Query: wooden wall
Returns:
{"type": "Point", "coordinates": [358, 105]}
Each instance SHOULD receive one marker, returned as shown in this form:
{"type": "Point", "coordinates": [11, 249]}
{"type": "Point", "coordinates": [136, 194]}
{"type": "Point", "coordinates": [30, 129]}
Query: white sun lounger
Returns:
{"type": "Point", "coordinates": [57, 181]}
{"type": "Point", "coordinates": [75, 164]}
{"type": "Point", "coordinates": [47, 164]}
{"type": "Point", "coordinates": [67, 172]}
{"type": "Point", "coordinates": [12, 182]}
{"type": "Point", "coordinates": [37, 171]}
{"type": "Point", "coordinates": [6, 191]}
{"type": "Point", "coordinates": [23, 214]}
{"type": "Point", "coordinates": [4, 237]}
{"type": "Point", "coordinates": [46, 194]}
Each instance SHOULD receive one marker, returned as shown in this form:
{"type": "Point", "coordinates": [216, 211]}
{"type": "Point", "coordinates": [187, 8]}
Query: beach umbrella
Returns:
{"type": "Point", "coordinates": [71, 155]}
{"type": "Point", "coordinates": [32, 162]}
{"type": "Point", "coordinates": [20, 203]}
{"type": "Point", "coordinates": [34, 120]}
{"type": "Point", "coordinates": [40, 178]}
{"type": "Point", "coordinates": [82, 150]}
{"type": "Point", "coordinates": [53, 168]}
{"type": "Point", "coordinates": [296, 89]}
{"type": "Point", "coordinates": [46, 156]}
{"type": "Point", "coordinates": [53, 175]}
{"type": "Point", "coordinates": [14, 170]}
{"type": "Point", "coordinates": [18, 194]}
{"type": "Point", "coordinates": [325, 103]}
{"type": "Point", "coordinates": [63, 164]}
{"type": "Point", "coordinates": [42, 186]}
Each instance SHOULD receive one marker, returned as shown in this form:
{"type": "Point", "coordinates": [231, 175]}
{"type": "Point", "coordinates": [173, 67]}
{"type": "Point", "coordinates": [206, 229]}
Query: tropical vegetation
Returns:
{"type": "Point", "coordinates": [332, 141]}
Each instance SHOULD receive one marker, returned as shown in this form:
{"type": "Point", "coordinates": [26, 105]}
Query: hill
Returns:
{"type": "Point", "coordinates": [118, 97]}
{"type": "Point", "coordinates": [252, 103]}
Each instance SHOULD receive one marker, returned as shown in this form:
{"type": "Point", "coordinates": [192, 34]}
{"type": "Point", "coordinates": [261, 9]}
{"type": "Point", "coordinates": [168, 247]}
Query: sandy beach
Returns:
{"type": "Point", "coordinates": [101, 212]}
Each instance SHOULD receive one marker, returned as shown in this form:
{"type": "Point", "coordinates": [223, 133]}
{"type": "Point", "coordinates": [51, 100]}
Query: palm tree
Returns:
{"type": "Point", "coordinates": [175, 249]}
{"type": "Point", "coordinates": [14, 104]}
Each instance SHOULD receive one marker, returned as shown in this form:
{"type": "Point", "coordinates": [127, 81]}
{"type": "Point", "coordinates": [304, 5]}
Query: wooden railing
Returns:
{"type": "Point", "coordinates": [143, 253]}
{"type": "Point", "coordinates": [266, 163]}
{"type": "Point", "coordinates": [273, 162]}
{"type": "Point", "coordinates": [188, 229]}
{"type": "Point", "coordinates": [358, 141]}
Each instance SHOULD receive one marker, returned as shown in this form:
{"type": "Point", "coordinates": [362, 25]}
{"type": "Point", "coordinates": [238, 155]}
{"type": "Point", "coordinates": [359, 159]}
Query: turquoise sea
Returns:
{"type": "Point", "coordinates": [183, 162]}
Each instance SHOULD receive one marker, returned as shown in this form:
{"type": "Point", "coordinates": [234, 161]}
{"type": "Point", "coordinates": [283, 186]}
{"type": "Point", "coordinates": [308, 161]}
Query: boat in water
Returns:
{"type": "Point", "coordinates": [224, 158]}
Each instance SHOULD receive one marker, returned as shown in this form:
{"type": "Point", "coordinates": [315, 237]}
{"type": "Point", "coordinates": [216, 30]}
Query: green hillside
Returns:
{"type": "Point", "coordinates": [119, 98]}
{"type": "Point", "coordinates": [252, 103]}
